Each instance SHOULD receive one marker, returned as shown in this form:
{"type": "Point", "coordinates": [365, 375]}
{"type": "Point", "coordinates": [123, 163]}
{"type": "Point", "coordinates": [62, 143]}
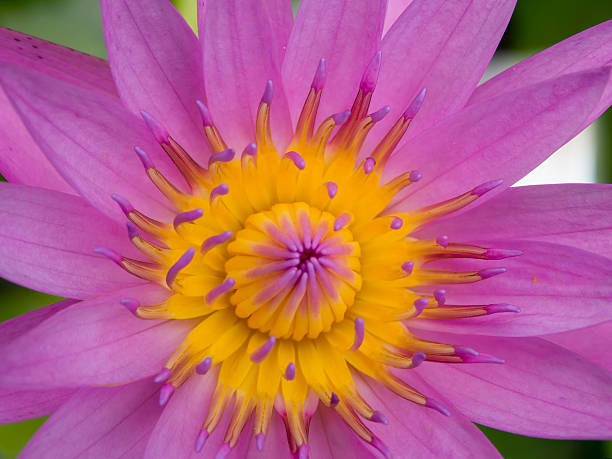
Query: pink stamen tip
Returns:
{"type": "Point", "coordinates": [342, 221]}
{"type": "Point", "coordinates": [176, 268]}
{"type": "Point", "coordinates": [159, 132]}
{"type": "Point", "coordinates": [408, 267]}
{"type": "Point", "coordinates": [303, 451]}
{"type": "Point", "coordinates": [440, 296]}
{"type": "Point", "coordinates": [370, 76]}
{"type": "Point", "coordinates": [260, 354]}
{"type": "Point", "coordinates": [320, 76]}
{"type": "Point", "coordinates": [486, 187]}
{"type": "Point", "coordinates": [500, 254]}
{"type": "Point", "coordinates": [132, 230]}
{"type": "Point", "coordinates": [124, 204]}
{"type": "Point", "coordinates": [434, 405]}
{"type": "Point", "coordinates": [417, 359]}
{"type": "Point", "coordinates": [419, 305]}
{"type": "Point", "coordinates": [144, 158]}
{"type": "Point", "coordinates": [482, 358]}
{"type": "Point", "coordinates": [368, 165]}
{"type": "Point", "coordinates": [332, 189]}
{"type": "Point", "coordinates": [219, 290]}
{"type": "Point", "coordinates": [334, 400]}
{"type": "Point", "coordinates": [204, 114]}
{"type": "Point", "coordinates": [250, 150]}
{"type": "Point", "coordinates": [203, 367]}
{"type": "Point", "coordinates": [380, 446]}
{"type": "Point", "coordinates": [109, 253]}
{"type": "Point", "coordinates": [415, 176]}
{"type": "Point", "coordinates": [415, 105]}
{"type": "Point", "coordinates": [379, 114]}
{"type": "Point", "coordinates": [223, 156]}
{"type": "Point", "coordinates": [220, 190]}
{"type": "Point", "coordinates": [490, 272]}
{"type": "Point", "coordinates": [342, 117]}
{"type": "Point", "coordinates": [359, 334]}
{"type": "Point", "coordinates": [268, 93]}
{"type": "Point", "coordinates": [297, 159]}
{"type": "Point", "coordinates": [201, 440]}
{"type": "Point", "coordinates": [290, 372]}
{"type": "Point", "coordinates": [223, 451]}
{"type": "Point", "coordinates": [189, 216]}
{"type": "Point", "coordinates": [163, 375]}
{"type": "Point", "coordinates": [501, 307]}
{"type": "Point", "coordinates": [214, 241]}
{"type": "Point", "coordinates": [397, 223]}
{"type": "Point", "coordinates": [379, 417]}
{"type": "Point", "coordinates": [165, 393]}
{"type": "Point", "coordinates": [131, 304]}
{"type": "Point", "coordinates": [260, 441]}
{"type": "Point", "coordinates": [443, 241]}
{"type": "Point", "coordinates": [462, 351]}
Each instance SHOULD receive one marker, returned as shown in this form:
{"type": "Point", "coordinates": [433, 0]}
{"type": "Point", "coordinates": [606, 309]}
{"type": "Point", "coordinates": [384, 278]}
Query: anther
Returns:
{"type": "Point", "coordinates": [332, 189]}
{"type": "Point", "coordinates": [165, 393]}
{"type": "Point", "coordinates": [260, 354]}
{"type": "Point", "coordinates": [434, 405]}
{"type": "Point", "coordinates": [144, 158]}
{"type": "Point", "coordinates": [297, 159]}
{"type": "Point", "coordinates": [132, 230]}
{"type": "Point", "coordinates": [109, 253]}
{"type": "Point", "coordinates": [359, 334]}
{"type": "Point", "coordinates": [379, 417]}
{"type": "Point", "coordinates": [250, 150]}
{"type": "Point", "coordinates": [176, 268]}
{"type": "Point", "coordinates": [223, 156]}
{"type": "Point", "coordinates": [379, 114]}
{"type": "Point", "coordinates": [419, 305]}
{"type": "Point", "coordinates": [380, 446]}
{"type": "Point", "coordinates": [268, 93]}
{"type": "Point", "coordinates": [334, 400]}
{"type": "Point", "coordinates": [440, 296]}
{"type": "Point", "coordinates": [220, 190]}
{"type": "Point", "coordinates": [201, 440]}
{"type": "Point", "coordinates": [124, 204]}
{"type": "Point", "coordinates": [163, 375]}
{"type": "Point", "coordinates": [417, 359]}
{"type": "Point", "coordinates": [204, 114]}
{"type": "Point", "coordinates": [490, 272]}
{"type": "Point", "coordinates": [368, 165]}
{"type": "Point", "coordinates": [203, 367]}
{"type": "Point", "coordinates": [415, 176]}
{"type": "Point", "coordinates": [502, 307]}
{"type": "Point", "coordinates": [303, 451]}
{"type": "Point", "coordinates": [397, 223]}
{"type": "Point", "coordinates": [159, 132]}
{"type": "Point", "coordinates": [442, 241]}
{"type": "Point", "coordinates": [189, 216]}
{"type": "Point", "coordinates": [342, 117]}
{"type": "Point", "coordinates": [415, 105]}
{"type": "Point", "coordinates": [131, 304]}
{"type": "Point", "coordinates": [320, 76]}
{"type": "Point", "coordinates": [370, 76]}
{"type": "Point", "coordinates": [214, 241]}
{"type": "Point", "coordinates": [482, 358]}
{"type": "Point", "coordinates": [260, 441]}
{"type": "Point", "coordinates": [500, 254]}
{"type": "Point", "coordinates": [290, 372]}
{"type": "Point", "coordinates": [462, 351]}
{"type": "Point", "coordinates": [223, 451]}
{"type": "Point", "coordinates": [219, 290]}
{"type": "Point", "coordinates": [408, 267]}
{"type": "Point", "coordinates": [486, 187]}
{"type": "Point", "coordinates": [343, 220]}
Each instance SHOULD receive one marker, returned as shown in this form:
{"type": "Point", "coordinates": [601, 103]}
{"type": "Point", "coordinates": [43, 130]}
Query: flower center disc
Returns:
{"type": "Point", "coordinates": [296, 270]}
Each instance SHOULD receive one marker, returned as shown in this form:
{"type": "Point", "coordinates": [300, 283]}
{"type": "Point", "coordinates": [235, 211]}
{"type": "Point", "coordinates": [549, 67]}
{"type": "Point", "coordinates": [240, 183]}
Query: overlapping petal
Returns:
{"type": "Point", "coordinates": [162, 76]}
{"type": "Point", "coordinates": [17, 405]}
{"type": "Point", "coordinates": [329, 434]}
{"type": "Point", "coordinates": [542, 390]}
{"type": "Point", "coordinates": [591, 343]}
{"type": "Point", "coordinates": [47, 240]}
{"type": "Point", "coordinates": [394, 9]}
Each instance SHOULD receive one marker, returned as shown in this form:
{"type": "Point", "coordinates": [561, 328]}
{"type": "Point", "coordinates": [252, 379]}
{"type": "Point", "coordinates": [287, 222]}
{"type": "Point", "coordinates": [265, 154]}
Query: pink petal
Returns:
{"type": "Point", "coordinates": [503, 137]}
{"type": "Point", "coordinates": [241, 53]}
{"type": "Point", "coordinates": [109, 422]}
{"type": "Point", "coordinates": [591, 343]}
{"type": "Point", "coordinates": [542, 390]}
{"type": "Point", "coordinates": [442, 46]}
{"type": "Point", "coordinates": [577, 215]}
{"type": "Point", "coordinates": [588, 49]}
{"type": "Point", "coordinates": [89, 138]}
{"type": "Point", "coordinates": [329, 434]}
{"type": "Point", "coordinates": [394, 9]}
{"type": "Point", "coordinates": [94, 342]}
{"type": "Point", "coordinates": [557, 288]}
{"type": "Point", "coordinates": [417, 431]}
{"type": "Point", "coordinates": [156, 62]}
{"type": "Point", "coordinates": [47, 240]}
{"type": "Point", "coordinates": [347, 34]}
{"type": "Point", "coordinates": [17, 406]}
{"type": "Point", "coordinates": [280, 14]}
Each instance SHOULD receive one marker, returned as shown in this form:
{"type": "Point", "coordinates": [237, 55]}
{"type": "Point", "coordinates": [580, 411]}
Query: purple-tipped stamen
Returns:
{"type": "Point", "coordinates": [260, 441]}
{"type": "Point", "coordinates": [343, 220]}
{"type": "Point", "coordinates": [380, 446]}
{"type": "Point", "coordinates": [440, 296]}
{"type": "Point", "coordinates": [131, 304]}
{"type": "Point", "coordinates": [303, 451]}
{"type": "Point", "coordinates": [501, 307]}
{"type": "Point", "coordinates": [163, 375]}
{"type": "Point", "coordinates": [260, 354]}
{"type": "Point", "coordinates": [165, 393]}
{"type": "Point", "coordinates": [297, 159]}
{"type": "Point", "coordinates": [159, 132]}
{"type": "Point", "coordinates": [250, 150]}
{"type": "Point", "coordinates": [500, 254]}
{"type": "Point", "coordinates": [217, 191]}
{"type": "Point", "coordinates": [397, 223]}
{"type": "Point", "coordinates": [417, 359]}
{"type": "Point", "coordinates": [132, 230]}
{"type": "Point", "coordinates": [224, 451]}
{"type": "Point", "coordinates": [462, 351]}
{"type": "Point", "coordinates": [223, 156]}
{"type": "Point", "coordinates": [379, 417]}
{"type": "Point", "coordinates": [419, 305]}
{"type": "Point", "coordinates": [201, 440]}
{"type": "Point", "coordinates": [219, 290]}
{"type": "Point", "coordinates": [189, 216]}
{"type": "Point", "coordinates": [342, 117]}
{"type": "Point", "coordinates": [268, 93]}
{"type": "Point", "coordinates": [290, 372]}
{"type": "Point", "coordinates": [442, 241]}
{"type": "Point", "coordinates": [490, 272]}
{"type": "Point", "coordinates": [214, 241]}
{"type": "Point", "coordinates": [359, 334]}
{"type": "Point", "coordinates": [434, 405]}
{"type": "Point", "coordinates": [203, 367]}
{"type": "Point", "coordinates": [204, 114]}
{"type": "Point", "coordinates": [124, 204]}
{"type": "Point", "coordinates": [332, 189]}
{"type": "Point", "coordinates": [109, 253]}
{"type": "Point", "coordinates": [320, 76]}
{"type": "Point", "coordinates": [415, 176]}
{"type": "Point", "coordinates": [144, 158]}
{"type": "Point", "coordinates": [486, 187]}
{"type": "Point", "coordinates": [176, 268]}
{"type": "Point", "coordinates": [415, 105]}
{"type": "Point", "coordinates": [482, 358]}
{"type": "Point", "coordinates": [379, 114]}
{"type": "Point", "coordinates": [368, 165]}
{"type": "Point", "coordinates": [370, 76]}
{"type": "Point", "coordinates": [408, 267]}
{"type": "Point", "coordinates": [334, 400]}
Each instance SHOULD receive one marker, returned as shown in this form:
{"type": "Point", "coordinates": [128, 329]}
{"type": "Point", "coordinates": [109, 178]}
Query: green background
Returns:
{"type": "Point", "coordinates": [535, 25]}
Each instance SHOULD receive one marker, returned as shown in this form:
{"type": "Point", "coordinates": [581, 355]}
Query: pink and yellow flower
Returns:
{"type": "Point", "coordinates": [305, 269]}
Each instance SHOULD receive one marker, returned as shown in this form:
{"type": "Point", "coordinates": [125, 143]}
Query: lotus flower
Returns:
{"type": "Point", "coordinates": [322, 254]}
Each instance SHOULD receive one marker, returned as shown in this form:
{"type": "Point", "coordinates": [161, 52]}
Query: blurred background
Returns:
{"type": "Point", "coordinates": [535, 25]}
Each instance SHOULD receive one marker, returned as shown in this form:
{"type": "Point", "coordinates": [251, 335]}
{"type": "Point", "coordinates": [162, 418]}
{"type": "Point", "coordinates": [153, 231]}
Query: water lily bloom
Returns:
{"type": "Point", "coordinates": [296, 238]}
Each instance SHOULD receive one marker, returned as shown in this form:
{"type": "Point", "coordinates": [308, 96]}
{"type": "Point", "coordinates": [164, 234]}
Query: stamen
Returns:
{"type": "Point", "coordinates": [380, 446]}
{"type": "Point", "coordinates": [415, 176]}
{"type": "Point", "coordinates": [204, 113]}
{"type": "Point", "coordinates": [214, 241]}
{"type": "Point", "coordinates": [332, 189]}
{"type": "Point", "coordinates": [462, 351]}
{"type": "Point", "coordinates": [163, 375]}
{"type": "Point", "coordinates": [165, 393]}
{"type": "Point", "coordinates": [417, 359]}
{"type": "Point", "coordinates": [440, 296]}
{"type": "Point", "coordinates": [212, 134]}
{"type": "Point", "coordinates": [124, 204]}
{"type": "Point", "coordinates": [110, 254]}
{"type": "Point", "coordinates": [131, 304]}
{"type": "Point", "coordinates": [203, 367]}
{"type": "Point", "coordinates": [260, 441]}
{"type": "Point", "coordinates": [397, 223]}
{"type": "Point", "coordinates": [250, 150]}
{"type": "Point", "coordinates": [260, 354]}
{"type": "Point", "coordinates": [342, 221]}
{"type": "Point", "coordinates": [219, 290]}
{"type": "Point", "coordinates": [223, 156]}
{"type": "Point", "coordinates": [442, 240]}
{"type": "Point", "coordinates": [419, 305]}
{"type": "Point", "coordinates": [501, 307]}
{"type": "Point", "coordinates": [223, 451]}
{"type": "Point", "coordinates": [368, 165]}
{"type": "Point", "coordinates": [408, 267]}
{"type": "Point", "coordinates": [434, 405]}
{"type": "Point", "coordinates": [320, 76]}
{"type": "Point", "coordinates": [379, 417]}
{"type": "Point", "coordinates": [297, 159]}
{"type": "Point", "coordinates": [490, 272]}
{"type": "Point", "coordinates": [370, 76]}
{"type": "Point", "coordinates": [159, 132]}
{"type": "Point", "coordinates": [486, 187]}
{"type": "Point", "coordinates": [500, 254]}
{"type": "Point", "coordinates": [132, 230]}
{"type": "Point", "coordinates": [303, 451]}
{"type": "Point", "coordinates": [290, 372]}
{"type": "Point", "coordinates": [189, 216]}
{"type": "Point", "coordinates": [359, 334]}
{"type": "Point", "coordinates": [379, 114]}
{"type": "Point", "coordinates": [334, 400]}
{"type": "Point", "coordinates": [482, 358]}
{"type": "Point", "coordinates": [181, 263]}
{"type": "Point", "coordinates": [415, 105]}
{"type": "Point", "coordinates": [144, 158]}
{"type": "Point", "coordinates": [341, 118]}
{"type": "Point", "coordinates": [266, 98]}
{"type": "Point", "coordinates": [201, 440]}
{"type": "Point", "coordinates": [220, 190]}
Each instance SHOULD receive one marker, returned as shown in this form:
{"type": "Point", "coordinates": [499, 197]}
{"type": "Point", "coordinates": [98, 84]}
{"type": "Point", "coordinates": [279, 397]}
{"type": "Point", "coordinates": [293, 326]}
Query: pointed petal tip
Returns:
{"type": "Point", "coordinates": [157, 129]}
{"type": "Point", "coordinates": [131, 304]}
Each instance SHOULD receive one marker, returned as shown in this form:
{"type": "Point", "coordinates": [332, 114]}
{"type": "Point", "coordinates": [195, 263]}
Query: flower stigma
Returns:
{"type": "Point", "coordinates": [303, 282]}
